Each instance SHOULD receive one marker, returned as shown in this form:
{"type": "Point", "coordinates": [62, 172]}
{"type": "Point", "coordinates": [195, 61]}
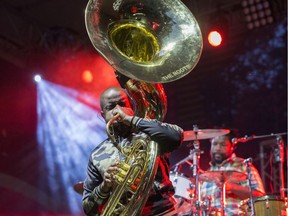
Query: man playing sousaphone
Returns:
{"type": "Point", "coordinates": [103, 166]}
{"type": "Point", "coordinates": [152, 41]}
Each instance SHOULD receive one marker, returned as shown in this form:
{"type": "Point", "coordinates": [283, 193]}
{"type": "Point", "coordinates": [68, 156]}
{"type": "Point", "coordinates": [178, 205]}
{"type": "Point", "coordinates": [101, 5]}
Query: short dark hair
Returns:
{"type": "Point", "coordinates": [102, 96]}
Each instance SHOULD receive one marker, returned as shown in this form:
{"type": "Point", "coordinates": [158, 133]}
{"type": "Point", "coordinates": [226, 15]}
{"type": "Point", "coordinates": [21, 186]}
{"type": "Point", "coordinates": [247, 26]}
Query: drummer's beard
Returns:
{"type": "Point", "coordinates": [218, 158]}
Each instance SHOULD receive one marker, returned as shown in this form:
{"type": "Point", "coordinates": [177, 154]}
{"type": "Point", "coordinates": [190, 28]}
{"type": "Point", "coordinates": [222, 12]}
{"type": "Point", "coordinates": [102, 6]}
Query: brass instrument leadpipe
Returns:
{"type": "Point", "coordinates": [110, 132]}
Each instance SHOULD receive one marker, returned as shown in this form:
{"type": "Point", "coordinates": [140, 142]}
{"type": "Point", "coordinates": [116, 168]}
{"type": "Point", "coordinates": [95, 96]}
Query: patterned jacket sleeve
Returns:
{"type": "Point", "coordinates": [93, 198]}
{"type": "Point", "coordinates": [168, 136]}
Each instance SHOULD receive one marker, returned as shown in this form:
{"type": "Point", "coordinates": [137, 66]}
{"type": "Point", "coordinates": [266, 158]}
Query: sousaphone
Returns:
{"type": "Point", "coordinates": [148, 42]}
{"type": "Point", "coordinates": [154, 41]}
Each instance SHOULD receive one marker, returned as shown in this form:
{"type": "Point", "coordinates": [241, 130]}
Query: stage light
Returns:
{"type": "Point", "coordinates": [69, 127]}
{"type": "Point", "coordinates": [217, 31]}
{"type": "Point", "coordinates": [257, 13]}
{"type": "Point", "coordinates": [37, 78]}
{"type": "Point", "coordinates": [214, 38]}
{"type": "Point", "coordinates": [87, 76]}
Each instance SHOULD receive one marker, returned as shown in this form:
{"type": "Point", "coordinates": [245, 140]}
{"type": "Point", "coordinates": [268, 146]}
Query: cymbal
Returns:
{"type": "Point", "coordinates": [204, 134]}
{"type": "Point", "coordinates": [222, 176]}
{"type": "Point", "coordinates": [79, 187]}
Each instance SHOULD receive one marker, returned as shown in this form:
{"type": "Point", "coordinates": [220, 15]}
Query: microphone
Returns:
{"type": "Point", "coordinates": [242, 139]}
{"type": "Point", "coordinates": [248, 160]}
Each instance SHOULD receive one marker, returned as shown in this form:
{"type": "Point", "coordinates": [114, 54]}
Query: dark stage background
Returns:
{"type": "Point", "coordinates": [47, 130]}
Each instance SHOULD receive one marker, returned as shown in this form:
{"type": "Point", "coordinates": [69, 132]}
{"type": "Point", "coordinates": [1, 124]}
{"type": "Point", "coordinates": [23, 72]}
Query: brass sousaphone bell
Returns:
{"type": "Point", "coordinates": [155, 41]}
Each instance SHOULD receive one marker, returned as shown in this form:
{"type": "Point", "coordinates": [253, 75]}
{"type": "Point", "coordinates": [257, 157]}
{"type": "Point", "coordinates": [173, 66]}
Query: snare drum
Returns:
{"type": "Point", "coordinates": [184, 188]}
{"type": "Point", "coordinates": [269, 205]}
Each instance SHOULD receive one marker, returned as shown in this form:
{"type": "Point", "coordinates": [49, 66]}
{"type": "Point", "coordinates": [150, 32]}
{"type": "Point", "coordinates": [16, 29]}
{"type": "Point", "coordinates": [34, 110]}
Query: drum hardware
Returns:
{"type": "Point", "coordinates": [185, 160]}
{"type": "Point", "coordinates": [286, 204]}
{"type": "Point", "coordinates": [218, 177]}
{"type": "Point", "coordinates": [267, 205]}
{"type": "Point", "coordinates": [200, 134]}
{"type": "Point", "coordinates": [183, 185]}
{"type": "Point", "coordinates": [206, 206]}
{"type": "Point", "coordinates": [248, 138]}
{"type": "Point", "coordinates": [270, 205]}
{"type": "Point", "coordinates": [281, 159]}
{"type": "Point", "coordinates": [247, 163]}
{"type": "Point", "coordinates": [278, 154]}
{"type": "Point", "coordinates": [195, 135]}
{"type": "Point", "coordinates": [221, 178]}
{"type": "Point", "coordinates": [244, 206]}
{"type": "Point", "coordinates": [196, 152]}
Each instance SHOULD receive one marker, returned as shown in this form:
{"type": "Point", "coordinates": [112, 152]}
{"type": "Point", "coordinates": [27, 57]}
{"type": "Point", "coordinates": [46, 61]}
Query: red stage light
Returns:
{"type": "Point", "coordinates": [87, 76]}
{"type": "Point", "coordinates": [214, 38]}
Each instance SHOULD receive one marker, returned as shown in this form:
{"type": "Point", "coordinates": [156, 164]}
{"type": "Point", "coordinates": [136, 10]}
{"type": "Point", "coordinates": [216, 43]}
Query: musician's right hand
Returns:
{"type": "Point", "coordinates": [109, 177]}
{"type": "Point", "coordinates": [125, 114]}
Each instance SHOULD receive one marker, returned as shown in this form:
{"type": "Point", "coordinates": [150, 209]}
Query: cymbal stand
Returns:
{"type": "Point", "coordinates": [196, 158]}
{"type": "Point", "coordinates": [223, 196]}
{"type": "Point", "coordinates": [247, 163]}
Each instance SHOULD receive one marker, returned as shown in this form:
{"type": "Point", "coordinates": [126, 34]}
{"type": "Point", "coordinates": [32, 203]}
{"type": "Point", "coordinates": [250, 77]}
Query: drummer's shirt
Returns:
{"type": "Point", "coordinates": [210, 191]}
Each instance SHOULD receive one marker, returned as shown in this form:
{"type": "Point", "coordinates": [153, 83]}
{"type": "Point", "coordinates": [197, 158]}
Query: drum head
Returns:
{"type": "Point", "coordinates": [184, 188]}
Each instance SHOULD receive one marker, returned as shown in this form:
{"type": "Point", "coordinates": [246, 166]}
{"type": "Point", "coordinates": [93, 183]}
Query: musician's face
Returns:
{"type": "Point", "coordinates": [111, 98]}
{"type": "Point", "coordinates": [221, 149]}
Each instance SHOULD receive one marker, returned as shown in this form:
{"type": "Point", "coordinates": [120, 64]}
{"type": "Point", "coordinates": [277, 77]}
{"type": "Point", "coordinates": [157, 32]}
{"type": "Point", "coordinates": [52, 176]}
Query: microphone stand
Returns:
{"type": "Point", "coordinates": [279, 154]}
{"type": "Point", "coordinates": [247, 163]}
{"type": "Point", "coordinates": [280, 159]}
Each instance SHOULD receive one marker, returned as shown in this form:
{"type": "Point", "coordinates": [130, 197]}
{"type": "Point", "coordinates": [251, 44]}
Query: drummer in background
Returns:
{"type": "Point", "coordinates": [224, 159]}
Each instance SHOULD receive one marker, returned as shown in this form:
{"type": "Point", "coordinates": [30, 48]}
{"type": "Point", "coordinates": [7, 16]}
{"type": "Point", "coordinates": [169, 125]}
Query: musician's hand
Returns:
{"type": "Point", "coordinates": [125, 114]}
{"type": "Point", "coordinates": [109, 177]}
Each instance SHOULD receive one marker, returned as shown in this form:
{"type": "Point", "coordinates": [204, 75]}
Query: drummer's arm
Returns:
{"type": "Point", "coordinates": [241, 191]}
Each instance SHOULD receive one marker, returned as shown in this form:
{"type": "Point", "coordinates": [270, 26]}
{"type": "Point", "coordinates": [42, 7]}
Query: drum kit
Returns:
{"type": "Point", "coordinates": [187, 189]}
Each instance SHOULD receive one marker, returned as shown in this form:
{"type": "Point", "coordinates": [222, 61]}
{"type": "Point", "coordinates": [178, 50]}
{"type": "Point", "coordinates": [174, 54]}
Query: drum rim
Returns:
{"type": "Point", "coordinates": [181, 174]}
{"type": "Point", "coordinates": [185, 179]}
{"type": "Point", "coordinates": [268, 197]}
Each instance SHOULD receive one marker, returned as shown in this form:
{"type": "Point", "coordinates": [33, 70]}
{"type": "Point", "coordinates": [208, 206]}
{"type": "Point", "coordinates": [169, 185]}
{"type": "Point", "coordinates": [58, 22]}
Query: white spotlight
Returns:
{"type": "Point", "coordinates": [37, 78]}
